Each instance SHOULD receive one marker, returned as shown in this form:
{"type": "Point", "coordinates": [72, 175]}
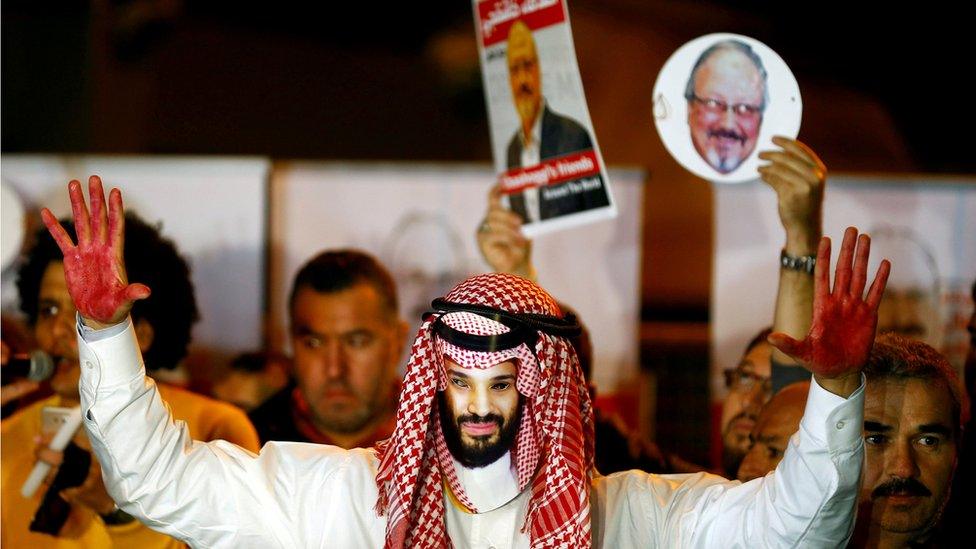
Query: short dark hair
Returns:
{"type": "Point", "coordinates": [735, 45]}
{"type": "Point", "coordinates": [337, 270]}
{"type": "Point", "coordinates": [171, 309]}
{"type": "Point", "coordinates": [897, 357]}
{"type": "Point", "coordinates": [255, 361]}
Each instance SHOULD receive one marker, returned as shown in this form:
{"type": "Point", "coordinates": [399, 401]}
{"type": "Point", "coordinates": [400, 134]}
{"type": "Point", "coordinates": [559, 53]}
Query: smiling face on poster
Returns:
{"type": "Point", "coordinates": [719, 100]}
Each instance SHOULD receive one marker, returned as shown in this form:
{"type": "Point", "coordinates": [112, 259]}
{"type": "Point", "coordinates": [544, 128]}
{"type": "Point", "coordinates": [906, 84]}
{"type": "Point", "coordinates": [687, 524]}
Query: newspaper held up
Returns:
{"type": "Point", "coordinates": [546, 154]}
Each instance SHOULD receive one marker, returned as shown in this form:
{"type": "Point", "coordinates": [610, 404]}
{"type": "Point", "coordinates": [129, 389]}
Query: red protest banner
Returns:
{"type": "Point", "coordinates": [551, 172]}
{"type": "Point", "coordinates": [495, 17]}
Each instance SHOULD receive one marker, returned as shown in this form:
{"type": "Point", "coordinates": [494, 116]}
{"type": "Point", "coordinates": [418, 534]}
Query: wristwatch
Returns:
{"type": "Point", "coordinates": [803, 263]}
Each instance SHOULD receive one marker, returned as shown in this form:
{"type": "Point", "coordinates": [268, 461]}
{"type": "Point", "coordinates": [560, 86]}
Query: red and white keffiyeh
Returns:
{"type": "Point", "coordinates": [553, 448]}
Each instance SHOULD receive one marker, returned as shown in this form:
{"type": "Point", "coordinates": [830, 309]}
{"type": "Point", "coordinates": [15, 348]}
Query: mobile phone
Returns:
{"type": "Point", "coordinates": [52, 418]}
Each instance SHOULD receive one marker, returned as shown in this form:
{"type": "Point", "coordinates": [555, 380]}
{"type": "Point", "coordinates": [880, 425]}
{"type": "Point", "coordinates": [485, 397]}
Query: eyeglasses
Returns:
{"type": "Point", "coordinates": [737, 379]}
{"type": "Point", "coordinates": [715, 106]}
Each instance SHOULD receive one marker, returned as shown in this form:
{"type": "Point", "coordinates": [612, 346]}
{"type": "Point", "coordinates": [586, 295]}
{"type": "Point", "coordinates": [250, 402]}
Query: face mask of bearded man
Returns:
{"type": "Point", "coordinates": [490, 331]}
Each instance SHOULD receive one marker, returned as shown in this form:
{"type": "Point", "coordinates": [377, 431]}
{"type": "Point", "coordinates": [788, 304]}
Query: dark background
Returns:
{"type": "Point", "coordinates": [360, 80]}
{"type": "Point", "coordinates": [885, 89]}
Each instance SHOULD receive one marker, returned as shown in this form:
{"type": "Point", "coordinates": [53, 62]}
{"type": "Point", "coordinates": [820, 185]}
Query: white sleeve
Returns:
{"type": "Point", "coordinates": [808, 501]}
{"type": "Point", "coordinates": [206, 494]}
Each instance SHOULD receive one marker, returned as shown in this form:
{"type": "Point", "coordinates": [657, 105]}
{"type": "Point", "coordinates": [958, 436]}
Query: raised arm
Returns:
{"type": "Point", "coordinates": [213, 494]}
{"type": "Point", "coordinates": [93, 268]}
{"type": "Point", "coordinates": [810, 499]}
{"type": "Point", "coordinates": [797, 175]}
{"type": "Point", "coordinates": [501, 242]}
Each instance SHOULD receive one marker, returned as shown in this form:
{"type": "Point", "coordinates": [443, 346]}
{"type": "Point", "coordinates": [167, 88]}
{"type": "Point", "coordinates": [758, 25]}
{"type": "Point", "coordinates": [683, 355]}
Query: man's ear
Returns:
{"type": "Point", "coordinates": [144, 334]}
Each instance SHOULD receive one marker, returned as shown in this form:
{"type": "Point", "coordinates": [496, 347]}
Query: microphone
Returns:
{"type": "Point", "coordinates": [36, 366]}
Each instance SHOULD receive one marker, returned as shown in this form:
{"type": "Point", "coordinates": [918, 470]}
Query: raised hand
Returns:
{"type": "Point", "coordinates": [844, 322]}
{"type": "Point", "coordinates": [94, 268]}
{"type": "Point", "coordinates": [798, 176]}
{"type": "Point", "coordinates": [500, 239]}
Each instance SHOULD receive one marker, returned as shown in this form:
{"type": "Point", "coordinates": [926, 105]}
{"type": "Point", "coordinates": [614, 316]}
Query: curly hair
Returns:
{"type": "Point", "coordinates": [171, 309]}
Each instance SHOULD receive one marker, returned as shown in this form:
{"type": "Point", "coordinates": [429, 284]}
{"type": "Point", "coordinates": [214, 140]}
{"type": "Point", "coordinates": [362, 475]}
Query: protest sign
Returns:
{"type": "Point", "coordinates": [546, 155]}
{"type": "Point", "coordinates": [719, 100]}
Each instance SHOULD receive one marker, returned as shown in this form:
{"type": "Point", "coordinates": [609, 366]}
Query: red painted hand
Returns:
{"type": "Point", "coordinates": [94, 269]}
{"type": "Point", "coordinates": [844, 322]}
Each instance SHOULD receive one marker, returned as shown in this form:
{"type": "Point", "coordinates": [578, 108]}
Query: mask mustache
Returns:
{"type": "Point", "coordinates": [901, 487]}
{"type": "Point", "coordinates": [490, 418]}
{"type": "Point", "coordinates": [727, 134]}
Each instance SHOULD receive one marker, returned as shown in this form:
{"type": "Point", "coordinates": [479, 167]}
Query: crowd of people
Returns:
{"type": "Point", "coordinates": [831, 435]}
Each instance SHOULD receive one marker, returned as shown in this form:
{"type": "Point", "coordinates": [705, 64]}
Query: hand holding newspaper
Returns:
{"type": "Point", "coordinates": [549, 166]}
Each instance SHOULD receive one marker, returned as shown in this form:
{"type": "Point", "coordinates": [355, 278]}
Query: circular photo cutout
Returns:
{"type": "Point", "coordinates": [719, 100]}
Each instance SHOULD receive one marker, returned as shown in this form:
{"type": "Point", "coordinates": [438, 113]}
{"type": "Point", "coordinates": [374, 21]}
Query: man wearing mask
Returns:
{"type": "Point", "coordinates": [493, 443]}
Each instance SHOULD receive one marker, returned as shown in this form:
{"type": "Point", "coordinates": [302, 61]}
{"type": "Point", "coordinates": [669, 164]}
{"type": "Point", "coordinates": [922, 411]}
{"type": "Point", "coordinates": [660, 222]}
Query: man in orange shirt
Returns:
{"type": "Point", "coordinates": [83, 515]}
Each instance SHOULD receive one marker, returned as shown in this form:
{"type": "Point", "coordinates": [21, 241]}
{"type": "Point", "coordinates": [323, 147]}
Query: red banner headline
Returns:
{"type": "Point", "coordinates": [495, 17]}
{"type": "Point", "coordinates": [551, 172]}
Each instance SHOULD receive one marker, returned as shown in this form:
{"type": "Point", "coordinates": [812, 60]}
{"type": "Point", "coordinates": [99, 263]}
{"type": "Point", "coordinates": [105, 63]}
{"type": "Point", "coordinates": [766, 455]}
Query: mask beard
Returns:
{"type": "Point", "coordinates": [482, 452]}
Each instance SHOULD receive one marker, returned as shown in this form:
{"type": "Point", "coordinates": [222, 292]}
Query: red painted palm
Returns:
{"type": "Point", "coordinates": [844, 321]}
{"type": "Point", "coordinates": [94, 269]}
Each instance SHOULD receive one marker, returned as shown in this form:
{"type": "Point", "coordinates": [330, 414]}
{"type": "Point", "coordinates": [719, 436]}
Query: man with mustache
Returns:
{"type": "Point", "coordinates": [469, 436]}
{"type": "Point", "coordinates": [347, 339]}
{"type": "Point", "coordinates": [726, 96]}
{"type": "Point", "coordinates": [543, 134]}
{"type": "Point", "coordinates": [914, 410]}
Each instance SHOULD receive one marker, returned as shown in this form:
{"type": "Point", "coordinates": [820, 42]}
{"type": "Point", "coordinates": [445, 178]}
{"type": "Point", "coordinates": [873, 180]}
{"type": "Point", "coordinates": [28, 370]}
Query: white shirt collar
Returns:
{"type": "Point", "coordinates": [491, 486]}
